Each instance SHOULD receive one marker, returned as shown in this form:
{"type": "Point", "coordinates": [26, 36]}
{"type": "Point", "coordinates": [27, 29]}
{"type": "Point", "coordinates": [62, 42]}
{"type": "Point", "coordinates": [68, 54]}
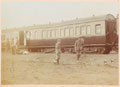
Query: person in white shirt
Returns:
{"type": "Point", "coordinates": [58, 51]}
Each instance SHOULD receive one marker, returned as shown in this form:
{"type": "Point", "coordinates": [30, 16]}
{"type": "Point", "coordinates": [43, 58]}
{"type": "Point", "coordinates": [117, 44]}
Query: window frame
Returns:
{"type": "Point", "coordinates": [87, 30]}
{"type": "Point", "coordinates": [57, 33]}
{"type": "Point", "coordinates": [81, 30]}
{"type": "Point", "coordinates": [44, 34]}
{"type": "Point", "coordinates": [35, 35]}
{"type": "Point", "coordinates": [65, 32]}
{"type": "Point", "coordinates": [62, 32]}
{"type": "Point", "coordinates": [49, 34]}
{"type": "Point", "coordinates": [77, 31]}
{"type": "Point", "coordinates": [53, 30]}
{"type": "Point", "coordinates": [97, 28]}
{"type": "Point", "coordinates": [71, 31]}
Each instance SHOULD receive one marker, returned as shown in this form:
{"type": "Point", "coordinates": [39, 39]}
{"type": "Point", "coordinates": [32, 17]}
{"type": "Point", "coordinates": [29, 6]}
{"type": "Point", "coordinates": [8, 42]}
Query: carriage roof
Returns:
{"type": "Point", "coordinates": [65, 23]}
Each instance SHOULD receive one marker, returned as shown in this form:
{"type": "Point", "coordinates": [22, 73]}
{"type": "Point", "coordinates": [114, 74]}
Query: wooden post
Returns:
{"type": "Point", "coordinates": [25, 38]}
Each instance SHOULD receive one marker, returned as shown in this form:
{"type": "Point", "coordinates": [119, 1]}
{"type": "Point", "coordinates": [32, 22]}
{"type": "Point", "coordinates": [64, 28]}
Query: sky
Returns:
{"type": "Point", "coordinates": [20, 14]}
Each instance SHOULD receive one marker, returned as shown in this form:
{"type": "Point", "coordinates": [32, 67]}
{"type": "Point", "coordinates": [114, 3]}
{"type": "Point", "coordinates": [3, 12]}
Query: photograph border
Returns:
{"type": "Point", "coordinates": [60, 85]}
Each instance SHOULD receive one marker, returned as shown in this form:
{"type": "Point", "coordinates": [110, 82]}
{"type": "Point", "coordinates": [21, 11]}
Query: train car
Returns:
{"type": "Point", "coordinates": [7, 36]}
{"type": "Point", "coordinates": [99, 33]}
{"type": "Point", "coordinates": [115, 48]}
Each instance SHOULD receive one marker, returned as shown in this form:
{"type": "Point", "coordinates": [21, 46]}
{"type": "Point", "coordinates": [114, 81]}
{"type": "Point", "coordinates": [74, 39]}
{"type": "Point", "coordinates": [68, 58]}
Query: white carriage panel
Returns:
{"type": "Point", "coordinates": [71, 31]}
{"type": "Point", "coordinates": [15, 35]}
{"type": "Point", "coordinates": [57, 32]}
{"type": "Point", "coordinates": [74, 27]}
{"type": "Point", "coordinates": [83, 30]}
{"type": "Point", "coordinates": [98, 25]}
{"type": "Point", "coordinates": [77, 30]}
{"type": "Point", "coordinates": [62, 32]}
{"type": "Point", "coordinates": [28, 35]}
{"type": "Point", "coordinates": [67, 32]}
{"type": "Point", "coordinates": [49, 33]}
{"type": "Point", "coordinates": [35, 35]}
{"type": "Point", "coordinates": [88, 30]}
{"type": "Point", "coordinates": [40, 34]}
{"type": "Point", "coordinates": [32, 35]}
{"type": "Point", "coordinates": [53, 34]}
{"type": "Point", "coordinates": [44, 34]}
{"type": "Point", "coordinates": [92, 28]}
{"type": "Point", "coordinates": [80, 30]}
{"type": "Point", "coordinates": [99, 28]}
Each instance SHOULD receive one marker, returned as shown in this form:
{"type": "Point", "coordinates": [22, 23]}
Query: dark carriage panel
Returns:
{"type": "Point", "coordinates": [111, 32]}
{"type": "Point", "coordinates": [66, 41]}
{"type": "Point", "coordinates": [21, 38]}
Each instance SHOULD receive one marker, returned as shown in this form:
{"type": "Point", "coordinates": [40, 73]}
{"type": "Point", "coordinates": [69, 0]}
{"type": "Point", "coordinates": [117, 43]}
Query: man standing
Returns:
{"type": "Point", "coordinates": [8, 45]}
{"type": "Point", "coordinates": [14, 46]}
{"type": "Point", "coordinates": [79, 44]}
{"type": "Point", "coordinates": [58, 51]}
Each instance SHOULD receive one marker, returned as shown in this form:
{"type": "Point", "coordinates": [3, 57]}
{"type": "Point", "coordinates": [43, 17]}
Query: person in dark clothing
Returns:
{"type": "Point", "coordinates": [79, 44]}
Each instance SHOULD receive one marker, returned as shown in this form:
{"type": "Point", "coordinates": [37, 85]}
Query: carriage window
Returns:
{"type": "Point", "coordinates": [49, 34]}
{"type": "Point", "coordinates": [35, 34]}
{"type": "Point", "coordinates": [62, 32]}
{"type": "Point", "coordinates": [71, 31]}
{"type": "Point", "coordinates": [44, 34]}
{"type": "Point", "coordinates": [31, 35]}
{"type": "Point", "coordinates": [39, 34]}
{"type": "Point", "coordinates": [77, 30]}
{"type": "Point", "coordinates": [66, 32]}
{"type": "Point", "coordinates": [53, 34]}
{"type": "Point", "coordinates": [83, 30]}
{"type": "Point", "coordinates": [57, 33]}
{"type": "Point", "coordinates": [28, 35]}
{"type": "Point", "coordinates": [88, 30]}
{"type": "Point", "coordinates": [98, 29]}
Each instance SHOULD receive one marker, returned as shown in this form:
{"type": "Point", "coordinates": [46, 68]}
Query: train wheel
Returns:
{"type": "Point", "coordinates": [62, 50]}
{"type": "Point", "coordinates": [107, 50]}
{"type": "Point", "coordinates": [42, 50]}
{"type": "Point", "coordinates": [95, 50]}
{"type": "Point", "coordinates": [70, 50]}
{"type": "Point", "coordinates": [102, 50]}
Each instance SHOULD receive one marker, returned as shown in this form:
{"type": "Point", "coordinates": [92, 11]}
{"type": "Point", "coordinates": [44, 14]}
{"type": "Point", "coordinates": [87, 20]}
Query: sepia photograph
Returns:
{"type": "Point", "coordinates": [59, 43]}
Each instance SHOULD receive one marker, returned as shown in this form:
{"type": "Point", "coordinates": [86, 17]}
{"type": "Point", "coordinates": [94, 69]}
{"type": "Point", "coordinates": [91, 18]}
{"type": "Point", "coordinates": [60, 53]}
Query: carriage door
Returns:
{"type": "Point", "coordinates": [110, 31]}
{"type": "Point", "coordinates": [21, 37]}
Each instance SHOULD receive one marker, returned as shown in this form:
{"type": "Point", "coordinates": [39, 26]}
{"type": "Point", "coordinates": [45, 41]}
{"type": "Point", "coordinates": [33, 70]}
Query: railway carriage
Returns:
{"type": "Point", "coordinates": [8, 35]}
{"type": "Point", "coordinates": [99, 33]}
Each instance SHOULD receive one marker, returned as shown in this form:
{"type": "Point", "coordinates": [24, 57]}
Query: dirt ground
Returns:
{"type": "Point", "coordinates": [37, 68]}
